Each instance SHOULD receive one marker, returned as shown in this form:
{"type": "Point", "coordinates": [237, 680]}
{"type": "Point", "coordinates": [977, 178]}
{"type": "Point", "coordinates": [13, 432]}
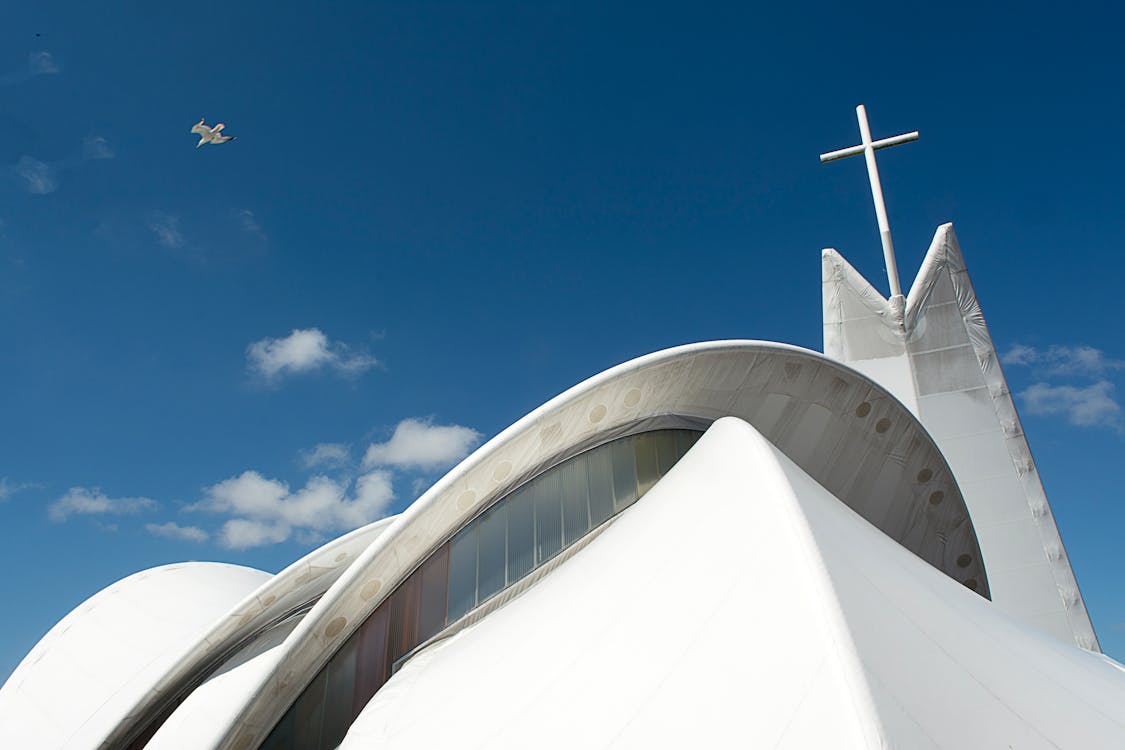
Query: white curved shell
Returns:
{"type": "Point", "coordinates": [752, 609]}
{"type": "Point", "coordinates": [85, 674]}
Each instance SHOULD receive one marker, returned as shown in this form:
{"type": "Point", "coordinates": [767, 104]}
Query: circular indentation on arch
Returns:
{"type": "Point", "coordinates": [963, 561]}
{"type": "Point", "coordinates": [335, 626]}
{"type": "Point", "coordinates": [971, 584]}
{"type": "Point", "coordinates": [371, 589]}
{"type": "Point", "coordinates": [598, 413]}
{"type": "Point", "coordinates": [243, 742]}
{"type": "Point", "coordinates": [632, 398]}
{"type": "Point", "coordinates": [466, 499]}
{"type": "Point", "coordinates": [303, 578]}
{"type": "Point", "coordinates": [245, 619]}
{"type": "Point", "coordinates": [550, 434]}
{"type": "Point", "coordinates": [501, 472]}
{"type": "Point", "coordinates": [269, 600]}
{"type": "Point", "coordinates": [863, 409]}
{"type": "Point", "coordinates": [925, 475]}
{"type": "Point", "coordinates": [342, 556]}
{"type": "Point", "coordinates": [936, 497]}
{"type": "Point", "coordinates": [882, 425]}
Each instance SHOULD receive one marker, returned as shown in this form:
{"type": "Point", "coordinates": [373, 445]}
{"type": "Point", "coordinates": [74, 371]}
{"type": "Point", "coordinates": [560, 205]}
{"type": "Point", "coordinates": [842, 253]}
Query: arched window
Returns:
{"type": "Point", "coordinates": [515, 535]}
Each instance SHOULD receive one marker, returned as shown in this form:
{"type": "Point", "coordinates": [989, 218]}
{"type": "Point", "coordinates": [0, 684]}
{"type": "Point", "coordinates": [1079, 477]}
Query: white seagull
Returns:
{"type": "Point", "coordinates": [210, 135]}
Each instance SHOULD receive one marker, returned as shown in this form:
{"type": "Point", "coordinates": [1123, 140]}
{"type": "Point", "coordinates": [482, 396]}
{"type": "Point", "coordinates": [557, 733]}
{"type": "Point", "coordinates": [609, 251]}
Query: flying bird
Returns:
{"type": "Point", "coordinates": [210, 135]}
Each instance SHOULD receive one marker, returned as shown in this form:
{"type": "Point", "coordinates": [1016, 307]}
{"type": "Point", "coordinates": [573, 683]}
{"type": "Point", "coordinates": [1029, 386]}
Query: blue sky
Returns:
{"type": "Point", "coordinates": [462, 209]}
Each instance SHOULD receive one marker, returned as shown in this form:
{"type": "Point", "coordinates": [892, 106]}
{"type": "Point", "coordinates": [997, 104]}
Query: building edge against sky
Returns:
{"type": "Point", "coordinates": [937, 357]}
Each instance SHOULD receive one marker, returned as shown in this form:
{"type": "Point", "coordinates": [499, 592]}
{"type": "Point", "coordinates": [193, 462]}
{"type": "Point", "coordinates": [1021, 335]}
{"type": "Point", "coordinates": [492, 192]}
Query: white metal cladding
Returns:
{"type": "Point", "coordinates": [739, 604]}
{"type": "Point", "coordinates": [941, 362]}
{"type": "Point", "coordinates": [298, 584]}
{"type": "Point", "coordinates": [848, 433]}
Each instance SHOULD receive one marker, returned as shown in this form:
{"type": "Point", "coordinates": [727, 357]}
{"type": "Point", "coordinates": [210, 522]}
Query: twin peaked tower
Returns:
{"type": "Point", "coordinates": [932, 349]}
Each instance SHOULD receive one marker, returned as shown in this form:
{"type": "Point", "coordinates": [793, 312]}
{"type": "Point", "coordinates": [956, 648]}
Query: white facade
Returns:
{"type": "Point", "coordinates": [815, 571]}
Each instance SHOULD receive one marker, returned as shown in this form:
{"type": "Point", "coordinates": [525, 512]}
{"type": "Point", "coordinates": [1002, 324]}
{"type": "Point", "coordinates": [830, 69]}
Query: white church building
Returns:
{"type": "Point", "coordinates": [725, 544]}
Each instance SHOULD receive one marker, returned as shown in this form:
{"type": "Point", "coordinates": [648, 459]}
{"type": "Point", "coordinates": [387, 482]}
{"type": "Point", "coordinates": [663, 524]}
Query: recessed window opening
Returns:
{"type": "Point", "coordinates": [517, 534]}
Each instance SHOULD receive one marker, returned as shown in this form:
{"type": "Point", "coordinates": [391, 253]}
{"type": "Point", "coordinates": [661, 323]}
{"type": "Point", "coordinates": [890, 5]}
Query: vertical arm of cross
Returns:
{"type": "Point", "coordinates": [880, 206]}
{"type": "Point", "coordinates": [868, 148]}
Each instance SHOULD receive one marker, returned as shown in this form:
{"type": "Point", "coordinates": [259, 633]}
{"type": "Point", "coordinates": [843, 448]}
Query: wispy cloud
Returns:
{"type": "Point", "coordinates": [327, 455]}
{"type": "Point", "coordinates": [248, 222]}
{"type": "Point", "coordinates": [420, 444]}
{"type": "Point", "coordinates": [37, 177]}
{"type": "Point", "coordinates": [304, 350]}
{"type": "Point", "coordinates": [39, 63]}
{"type": "Point", "coordinates": [267, 512]}
{"type": "Point", "coordinates": [97, 147]}
{"type": "Point", "coordinates": [1083, 361]}
{"type": "Point", "coordinates": [42, 63]}
{"type": "Point", "coordinates": [166, 228]}
{"type": "Point", "coordinates": [1091, 406]}
{"type": "Point", "coordinates": [91, 501]}
{"type": "Point", "coordinates": [173, 530]}
{"type": "Point", "coordinates": [9, 488]}
{"type": "Point", "coordinates": [1088, 404]}
{"type": "Point", "coordinates": [41, 178]}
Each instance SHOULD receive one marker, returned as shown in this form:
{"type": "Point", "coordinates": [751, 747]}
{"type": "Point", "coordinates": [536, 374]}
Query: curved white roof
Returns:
{"type": "Point", "coordinates": [847, 432]}
{"type": "Point", "coordinates": [90, 669]}
{"type": "Point", "coordinates": [739, 603]}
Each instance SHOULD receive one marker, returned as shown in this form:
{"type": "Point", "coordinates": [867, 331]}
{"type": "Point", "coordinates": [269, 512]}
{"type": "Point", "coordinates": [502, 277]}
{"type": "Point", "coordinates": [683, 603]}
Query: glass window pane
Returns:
{"type": "Point", "coordinates": [684, 440]}
{"type": "Point", "coordinates": [463, 572]}
{"type": "Point", "coordinates": [600, 473]}
{"type": "Point", "coordinates": [521, 535]}
{"type": "Point", "coordinates": [492, 536]}
{"type": "Point", "coordinates": [404, 617]}
{"type": "Point", "coordinates": [575, 489]}
{"type": "Point", "coordinates": [644, 447]}
{"type": "Point", "coordinates": [281, 738]}
{"type": "Point", "coordinates": [666, 454]}
{"type": "Point", "coordinates": [548, 517]}
{"type": "Point", "coordinates": [624, 473]}
{"type": "Point", "coordinates": [338, 695]}
{"type": "Point", "coordinates": [435, 585]}
{"type": "Point", "coordinates": [309, 710]}
{"type": "Point", "coordinates": [372, 668]}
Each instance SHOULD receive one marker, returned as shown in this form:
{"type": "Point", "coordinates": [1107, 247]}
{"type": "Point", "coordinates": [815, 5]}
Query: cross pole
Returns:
{"type": "Point", "coordinates": [868, 149]}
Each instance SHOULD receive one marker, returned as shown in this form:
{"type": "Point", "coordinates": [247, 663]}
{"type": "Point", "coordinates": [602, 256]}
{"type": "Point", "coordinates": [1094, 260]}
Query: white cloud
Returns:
{"type": "Point", "coordinates": [175, 531]}
{"type": "Point", "coordinates": [268, 512]}
{"type": "Point", "coordinates": [38, 64]}
{"type": "Point", "coordinates": [241, 533]}
{"type": "Point", "coordinates": [1091, 406]}
{"type": "Point", "coordinates": [304, 350]}
{"type": "Point", "coordinates": [422, 445]}
{"type": "Point", "coordinates": [83, 501]}
{"type": "Point", "coordinates": [248, 222]}
{"type": "Point", "coordinates": [9, 488]}
{"type": "Point", "coordinates": [42, 63]}
{"type": "Point", "coordinates": [166, 228]}
{"type": "Point", "coordinates": [1063, 360]}
{"type": "Point", "coordinates": [38, 178]}
{"type": "Point", "coordinates": [329, 455]}
{"type": "Point", "coordinates": [97, 147]}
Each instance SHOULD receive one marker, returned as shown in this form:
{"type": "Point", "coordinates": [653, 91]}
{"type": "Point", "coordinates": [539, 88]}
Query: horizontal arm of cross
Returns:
{"type": "Point", "coordinates": [854, 150]}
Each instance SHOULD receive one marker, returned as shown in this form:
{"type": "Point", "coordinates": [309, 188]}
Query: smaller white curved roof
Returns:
{"type": "Point", "coordinates": [85, 675]}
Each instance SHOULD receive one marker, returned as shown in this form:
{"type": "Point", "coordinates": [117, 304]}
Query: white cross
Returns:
{"type": "Point", "coordinates": [868, 148]}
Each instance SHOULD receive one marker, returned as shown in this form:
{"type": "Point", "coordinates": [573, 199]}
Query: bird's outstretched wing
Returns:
{"type": "Point", "coordinates": [223, 138]}
{"type": "Point", "coordinates": [200, 128]}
